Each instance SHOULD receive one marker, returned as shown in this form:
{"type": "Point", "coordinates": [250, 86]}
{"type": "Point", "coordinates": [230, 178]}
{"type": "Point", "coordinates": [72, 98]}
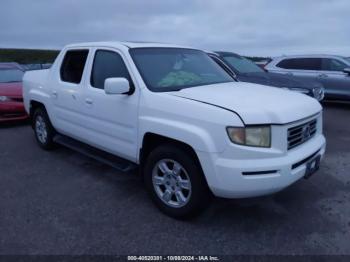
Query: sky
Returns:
{"type": "Point", "coordinates": [247, 27]}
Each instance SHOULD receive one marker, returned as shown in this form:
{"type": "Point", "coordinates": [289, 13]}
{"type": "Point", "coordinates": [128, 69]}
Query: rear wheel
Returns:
{"type": "Point", "coordinates": [44, 131]}
{"type": "Point", "coordinates": [176, 182]}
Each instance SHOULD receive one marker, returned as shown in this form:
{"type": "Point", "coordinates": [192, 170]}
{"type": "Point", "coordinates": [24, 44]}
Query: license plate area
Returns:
{"type": "Point", "coordinates": [312, 166]}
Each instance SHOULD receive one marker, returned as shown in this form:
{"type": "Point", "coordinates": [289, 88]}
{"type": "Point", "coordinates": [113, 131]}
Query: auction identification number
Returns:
{"type": "Point", "coordinates": [173, 258]}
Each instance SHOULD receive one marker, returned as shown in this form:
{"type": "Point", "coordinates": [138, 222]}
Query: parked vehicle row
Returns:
{"type": "Point", "coordinates": [190, 127]}
{"type": "Point", "coordinates": [319, 76]}
{"type": "Point", "coordinates": [330, 70]}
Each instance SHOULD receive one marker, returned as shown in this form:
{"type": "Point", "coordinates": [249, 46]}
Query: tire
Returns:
{"type": "Point", "coordinates": [43, 129]}
{"type": "Point", "coordinates": [170, 169]}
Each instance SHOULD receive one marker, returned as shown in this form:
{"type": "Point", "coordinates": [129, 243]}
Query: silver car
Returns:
{"type": "Point", "coordinates": [332, 71]}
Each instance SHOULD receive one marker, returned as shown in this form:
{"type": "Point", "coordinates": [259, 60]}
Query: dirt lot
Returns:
{"type": "Point", "coordinates": [63, 203]}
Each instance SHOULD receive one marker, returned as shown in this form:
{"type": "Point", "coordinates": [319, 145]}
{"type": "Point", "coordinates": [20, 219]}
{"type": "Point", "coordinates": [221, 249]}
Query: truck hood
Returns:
{"type": "Point", "coordinates": [255, 104]}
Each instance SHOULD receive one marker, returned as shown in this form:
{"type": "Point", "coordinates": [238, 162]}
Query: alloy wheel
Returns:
{"type": "Point", "coordinates": [171, 183]}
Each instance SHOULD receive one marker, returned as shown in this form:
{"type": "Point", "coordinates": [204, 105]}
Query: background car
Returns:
{"type": "Point", "coordinates": [11, 100]}
{"type": "Point", "coordinates": [247, 71]}
{"type": "Point", "coordinates": [330, 70]}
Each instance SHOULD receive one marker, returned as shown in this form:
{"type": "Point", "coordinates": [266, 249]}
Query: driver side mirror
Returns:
{"type": "Point", "coordinates": [347, 70]}
{"type": "Point", "coordinates": [117, 86]}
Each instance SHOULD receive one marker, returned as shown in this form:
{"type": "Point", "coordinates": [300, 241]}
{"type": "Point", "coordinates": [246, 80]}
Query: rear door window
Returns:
{"type": "Point", "coordinates": [301, 63]}
{"type": "Point", "coordinates": [73, 64]}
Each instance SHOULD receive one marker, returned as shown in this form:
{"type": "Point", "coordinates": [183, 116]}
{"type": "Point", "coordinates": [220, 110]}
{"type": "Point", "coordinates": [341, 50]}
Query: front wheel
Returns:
{"type": "Point", "coordinates": [176, 182]}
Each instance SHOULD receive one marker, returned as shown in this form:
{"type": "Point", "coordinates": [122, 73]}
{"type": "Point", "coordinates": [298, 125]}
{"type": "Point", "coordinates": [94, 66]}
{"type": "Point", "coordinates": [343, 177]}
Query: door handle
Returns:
{"type": "Point", "coordinates": [323, 75]}
{"type": "Point", "coordinates": [88, 101]}
{"type": "Point", "coordinates": [54, 94]}
{"type": "Point", "coordinates": [289, 74]}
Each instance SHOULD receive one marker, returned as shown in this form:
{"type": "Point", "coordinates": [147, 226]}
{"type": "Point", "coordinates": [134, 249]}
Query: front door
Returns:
{"type": "Point", "coordinates": [110, 120]}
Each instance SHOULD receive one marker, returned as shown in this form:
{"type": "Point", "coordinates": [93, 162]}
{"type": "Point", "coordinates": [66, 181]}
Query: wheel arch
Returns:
{"type": "Point", "coordinates": [152, 140]}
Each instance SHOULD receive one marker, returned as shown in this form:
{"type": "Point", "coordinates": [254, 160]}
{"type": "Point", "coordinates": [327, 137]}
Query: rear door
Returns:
{"type": "Point", "coordinates": [334, 80]}
{"type": "Point", "coordinates": [66, 92]}
{"type": "Point", "coordinates": [110, 121]}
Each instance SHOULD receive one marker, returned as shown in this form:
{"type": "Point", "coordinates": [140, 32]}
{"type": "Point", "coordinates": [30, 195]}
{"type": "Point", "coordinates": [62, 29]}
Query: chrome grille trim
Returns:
{"type": "Point", "coordinates": [299, 134]}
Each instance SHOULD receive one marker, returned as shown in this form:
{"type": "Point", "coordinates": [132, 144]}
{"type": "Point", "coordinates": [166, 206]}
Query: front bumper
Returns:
{"type": "Point", "coordinates": [225, 176]}
{"type": "Point", "coordinates": [12, 111]}
{"type": "Point", "coordinates": [241, 171]}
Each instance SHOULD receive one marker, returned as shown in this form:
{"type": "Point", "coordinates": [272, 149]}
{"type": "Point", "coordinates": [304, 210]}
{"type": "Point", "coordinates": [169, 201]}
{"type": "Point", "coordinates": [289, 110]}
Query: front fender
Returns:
{"type": "Point", "coordinates": [197, 137]}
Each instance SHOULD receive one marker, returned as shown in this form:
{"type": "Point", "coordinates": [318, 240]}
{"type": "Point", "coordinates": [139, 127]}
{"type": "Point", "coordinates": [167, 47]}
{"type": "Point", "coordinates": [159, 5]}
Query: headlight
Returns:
{"type": "Point", "coordinates": [4, 99]}
{"type": "Point", "coordinates": [259, 136]}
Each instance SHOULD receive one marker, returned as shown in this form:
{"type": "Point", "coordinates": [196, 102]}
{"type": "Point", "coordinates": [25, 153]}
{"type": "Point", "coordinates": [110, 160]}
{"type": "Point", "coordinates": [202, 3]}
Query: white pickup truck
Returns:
{"type": "Point", "coordinates": [192, 130]}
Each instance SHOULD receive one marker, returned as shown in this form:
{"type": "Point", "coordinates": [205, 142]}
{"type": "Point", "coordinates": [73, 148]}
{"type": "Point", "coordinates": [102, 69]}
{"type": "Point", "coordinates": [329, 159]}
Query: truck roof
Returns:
{"type": "Point", "coordinates": [125, 44]}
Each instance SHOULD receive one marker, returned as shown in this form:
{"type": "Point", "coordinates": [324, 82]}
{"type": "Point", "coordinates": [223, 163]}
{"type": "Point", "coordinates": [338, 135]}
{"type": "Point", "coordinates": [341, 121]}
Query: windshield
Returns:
{"type": "Point", "coordinates": [172, 69]}
{"type": "Point", "coordinates": [241, 64]}
{"type": "Point", "coordinates": [10, 75]}
{"type": "Point", "coordinates": [347, 59]}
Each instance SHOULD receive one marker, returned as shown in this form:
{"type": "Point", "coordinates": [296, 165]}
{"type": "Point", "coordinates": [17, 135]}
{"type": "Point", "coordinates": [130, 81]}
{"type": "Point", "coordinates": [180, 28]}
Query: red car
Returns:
{"type": "Point", "coordinates": [11, 100]}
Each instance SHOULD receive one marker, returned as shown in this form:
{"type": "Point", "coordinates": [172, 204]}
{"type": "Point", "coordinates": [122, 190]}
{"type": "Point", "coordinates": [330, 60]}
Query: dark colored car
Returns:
{"type": "Point", "coordinates": [247, 71]}
{"type": "Point", "coordinates": [11, 99]}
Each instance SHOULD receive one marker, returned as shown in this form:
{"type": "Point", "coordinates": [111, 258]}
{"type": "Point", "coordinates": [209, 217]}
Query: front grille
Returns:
{"type": "Point", "coordinates": [298, 135]}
